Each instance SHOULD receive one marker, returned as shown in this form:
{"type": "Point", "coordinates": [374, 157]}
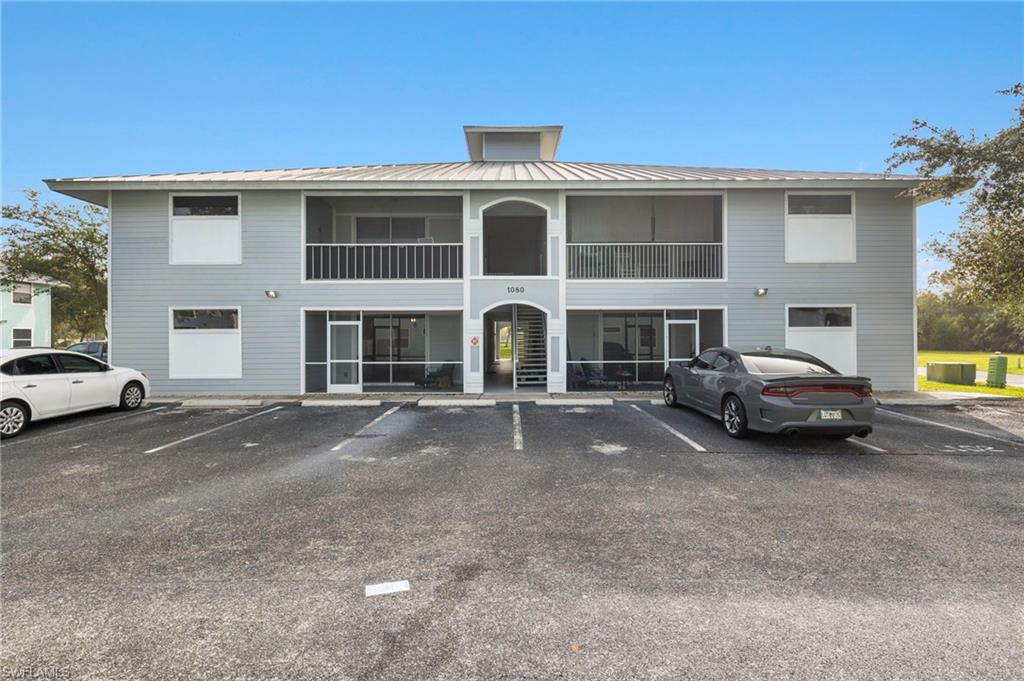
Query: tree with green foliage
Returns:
{"type": "Point", "coordinates": [65, 243]}
{"type": "Point", "coordinates": [948, 321]}
{"type": "Point", "coordinates": [986, 254]}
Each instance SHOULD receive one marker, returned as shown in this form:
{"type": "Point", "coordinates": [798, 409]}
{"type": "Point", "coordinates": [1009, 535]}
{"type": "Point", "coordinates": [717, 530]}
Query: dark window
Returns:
{"type": "Point", "coordinates": [7, 368]}
{"type": "Point", "coordinates": [21, 294]}
{"type": "Point", "coordinates": [94, 348]}
{"type": "Point", "coordinates": [820, 204]}
{"type": "Point", "coordinates": [76, 364]}
{"type": "Point", "coordinates": [35, 365]}
{"type": "Point", "coordinates": [206, 319]}
{"type": "Point", "coordinates": [408, 230]}
{"type": "Point", "coordinates": [21, 338]}
{"type": "Point", "coordinates": [782, 364]}
{"type": "Point", "coordinates": [821, 316]}
{"type": "Point", "coordinates": [205, 205]}
{"type": "Point", "coordinates": [77, 347]}
{"type": "Point", "coordinates": [722, 363]}
{"type": "Point", "coordinates": [373, 230]}
{"type": "Point", "coordinates": [706, 359]}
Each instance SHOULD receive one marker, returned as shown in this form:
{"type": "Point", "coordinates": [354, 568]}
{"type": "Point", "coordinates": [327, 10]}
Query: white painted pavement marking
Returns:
{"type": "Point", "coordinates": [575, 402]}
{"type": "Point", "coordinates": [861, 443]}
{"type": "Point", "coordinates": [946, 425]}
{"type": "Point", "coordinates": [435, 402]}
{"type": "Point", "coordinates": [211, 430]}
{"type": "Point", "coordinates": [517, 428]}
{"type": "Point", "coordinates": [81, 425]}
{"type": "Point", "coordinates": [670, 429]}
{"type": "Point", "coordinates": [387, 588]}
{"type": "Point", "coordinates": [362, 430]}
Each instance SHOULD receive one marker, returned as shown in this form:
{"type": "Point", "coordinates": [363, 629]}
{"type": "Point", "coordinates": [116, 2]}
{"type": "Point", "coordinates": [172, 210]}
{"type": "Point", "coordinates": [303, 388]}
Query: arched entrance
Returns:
{"type": "Point", "coordinates": [515, 349]}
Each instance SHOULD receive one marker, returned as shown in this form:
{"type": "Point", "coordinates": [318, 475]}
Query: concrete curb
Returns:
{"type": "Point", "coordinates": [911, 402]}
{"type": "Point", "coordinates": [340, 403]}
{"type": "Point", "coordinates": [581, 402]}
{"type": "Point", "coordinates": [429, 402]}
{"type": "Point", "coordinates": [222, 403]}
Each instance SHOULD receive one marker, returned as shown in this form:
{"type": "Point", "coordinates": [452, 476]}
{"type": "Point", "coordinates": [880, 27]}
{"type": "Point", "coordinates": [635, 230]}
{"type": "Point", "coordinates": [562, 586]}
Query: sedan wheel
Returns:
{"type": "Point", "coordinates": [734, 417]}
{"type": "Point", "coordinates": [670, 392]}
{"type": "Point", "coordinates": [13, 419]}
{"type": "Point", "coordinates": [131, 396]}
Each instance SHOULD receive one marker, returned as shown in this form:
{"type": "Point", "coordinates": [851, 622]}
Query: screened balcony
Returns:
{"type": "Point", "coordinates": [645, 237]}
{"type": "Point", "coordinates": [352, 238]}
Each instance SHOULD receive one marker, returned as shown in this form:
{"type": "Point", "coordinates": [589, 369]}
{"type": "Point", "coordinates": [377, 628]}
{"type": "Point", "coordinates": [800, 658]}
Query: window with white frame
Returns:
{"type": "Point", "coordinates": [205, 229]}
{"type": "Point", "coordinates": [21, 294]}
{"type": "Point", "coordinates": [21, 338]}
{"type": "Point", "coordinates": [205, 343]}
{"type": "Point", "coordinates": [820, 228]}
{"type": "Point", "coordinates": [827, 332]}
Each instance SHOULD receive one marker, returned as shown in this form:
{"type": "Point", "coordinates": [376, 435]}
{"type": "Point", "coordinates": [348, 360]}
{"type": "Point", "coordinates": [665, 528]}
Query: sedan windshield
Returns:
{"type": "Point", "coordinates": [779, 364]}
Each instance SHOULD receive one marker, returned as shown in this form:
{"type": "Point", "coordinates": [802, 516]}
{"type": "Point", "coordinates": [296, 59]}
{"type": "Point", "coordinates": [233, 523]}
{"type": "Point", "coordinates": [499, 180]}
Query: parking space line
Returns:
{"type": "Point", "coordinates": [670, 429]}
{"type": "Point", "coordinates": [211, 430]}
{"type": "Point", "coordinates": [950, 427]}
{"type": "Point", "coordinates": [517, 428]}
{"type": "Point", "coordinates": [861, 443]}
{"type": "Point", "coordinates": [81, 425]}
{"type": "Point", "coordinates": [386, 588]}
{"type": "Point", "coordinates": [362, 430]}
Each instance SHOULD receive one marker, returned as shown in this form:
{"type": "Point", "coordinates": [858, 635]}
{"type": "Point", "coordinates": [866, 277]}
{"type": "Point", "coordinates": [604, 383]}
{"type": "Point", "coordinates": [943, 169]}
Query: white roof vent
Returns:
{"type": "Point", "coordinates": [512, 142]}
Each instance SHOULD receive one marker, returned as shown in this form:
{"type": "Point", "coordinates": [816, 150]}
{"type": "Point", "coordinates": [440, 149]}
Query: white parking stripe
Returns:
{"type": "Point", "coordinates": [670, 429]}
{"type": "Point", "coordinates": [81, 425]}
{"type": "Point", "coordinates": [207, 432]}
{"type": "Point", "coordinates": [861, 443]}
{"type": "Point", "coordinates": [946, 425]}
{"type": "Point", "coordinates": [362, 430]}
{"type": "Point", "coordinates": [386, 588]}
{"type": "Point", "coordinates": [517, 428]}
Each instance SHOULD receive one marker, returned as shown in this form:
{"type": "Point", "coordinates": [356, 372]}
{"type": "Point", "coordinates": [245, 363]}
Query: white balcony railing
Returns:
{"type": "Point", "coordinates": [383, 261]}
{"type": "Point", "coordinates": [645, 261]}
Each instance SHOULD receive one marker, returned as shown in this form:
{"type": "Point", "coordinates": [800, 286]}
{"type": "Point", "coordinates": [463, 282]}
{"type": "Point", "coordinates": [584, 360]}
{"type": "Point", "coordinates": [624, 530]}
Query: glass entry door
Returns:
{"type": "Point", "coordinates": [343, 357]}
{"type": "Point", "coordinates": [683, 336]}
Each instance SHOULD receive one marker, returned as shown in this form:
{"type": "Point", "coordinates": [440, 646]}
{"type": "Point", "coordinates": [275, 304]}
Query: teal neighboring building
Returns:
{"type": "Point", "coordinates": [25, 311]}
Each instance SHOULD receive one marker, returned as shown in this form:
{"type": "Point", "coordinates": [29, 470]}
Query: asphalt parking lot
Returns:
{"type": "Point", "coordinates": [597, 542]}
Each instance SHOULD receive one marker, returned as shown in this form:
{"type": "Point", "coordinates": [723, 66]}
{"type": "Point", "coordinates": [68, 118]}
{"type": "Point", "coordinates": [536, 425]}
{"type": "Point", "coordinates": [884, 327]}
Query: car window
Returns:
{"type": "Point", "coordinates": [94, 347]}
{"type": "Point", "coordinates": [7, 368]}
{"type": "Point", "coordinates": [77, 347]}
{"type": "Point", "coordinates": [705, 359]}
{"type": "Point", "coordinates": [782, 364]}
{"type": "Point", "coordinates": [722, 363]}
{"type": "Point", "coordinates": [35, 365]}
{"type": "Point", "coordinates": [73, 364]}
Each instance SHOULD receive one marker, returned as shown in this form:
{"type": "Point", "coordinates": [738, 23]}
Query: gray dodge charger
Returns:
{"type": "Point", "coordinates": [773, 391]}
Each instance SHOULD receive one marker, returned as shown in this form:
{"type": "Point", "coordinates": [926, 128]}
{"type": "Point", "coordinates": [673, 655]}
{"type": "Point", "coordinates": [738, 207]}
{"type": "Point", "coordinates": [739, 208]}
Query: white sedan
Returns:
{"type": "Point", "coordinates": [36, 384]}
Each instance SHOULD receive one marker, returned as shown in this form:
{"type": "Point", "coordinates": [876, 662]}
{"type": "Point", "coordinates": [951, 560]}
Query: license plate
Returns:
{"type": "Point", "coordinates": [831, 414]}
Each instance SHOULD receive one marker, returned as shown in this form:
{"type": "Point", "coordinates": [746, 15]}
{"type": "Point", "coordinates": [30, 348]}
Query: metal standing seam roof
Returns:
{"type": "Point", "coordinates": [491, 171]}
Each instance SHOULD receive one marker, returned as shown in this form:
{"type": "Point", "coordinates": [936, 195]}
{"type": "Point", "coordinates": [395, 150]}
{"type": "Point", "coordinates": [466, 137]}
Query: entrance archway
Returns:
{"type": "Point", "coordinates": [523, 366]}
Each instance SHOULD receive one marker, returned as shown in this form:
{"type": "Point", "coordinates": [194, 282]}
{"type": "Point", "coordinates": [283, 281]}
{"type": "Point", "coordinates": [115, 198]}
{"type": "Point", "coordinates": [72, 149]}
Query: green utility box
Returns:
{"type": "Point", "coordinates": [997, 365]}
{"type": "Point", "coordinates": [952, 372]}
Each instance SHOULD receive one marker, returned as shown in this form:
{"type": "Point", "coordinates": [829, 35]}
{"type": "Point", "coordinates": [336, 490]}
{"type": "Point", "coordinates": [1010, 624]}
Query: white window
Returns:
{"type": "Point", "coordinates": [21, 294]}
{"type": "Point", "coordinates": [205, 229]}
{"type": "Point", "coordinates": [825, 331]}
{"type": "Point", "coordinates": [21, 338]}
{"type": "Point", "coordinates": [820, 227]}
{"type": "Point", "coordinates": [205, 343]}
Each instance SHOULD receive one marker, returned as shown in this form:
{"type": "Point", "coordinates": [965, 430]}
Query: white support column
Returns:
{"type": "Point", "coordinates": [557, 328]}
{"type": "Point", "coordinates": [474, 364]}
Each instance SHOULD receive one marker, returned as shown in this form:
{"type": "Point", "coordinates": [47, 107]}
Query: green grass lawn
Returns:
{"type": "Point", "coordinates": [505, 351]}
{"type": "Point", "coordinates": [1010, 391]}
{"type": "Point", "coordinates": [979, 359]}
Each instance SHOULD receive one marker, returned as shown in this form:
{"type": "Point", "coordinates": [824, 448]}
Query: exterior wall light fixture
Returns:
{"type": "Point", "coordinates": [761, 292]}
{"type": "Point", "coordinates": [271, 294]}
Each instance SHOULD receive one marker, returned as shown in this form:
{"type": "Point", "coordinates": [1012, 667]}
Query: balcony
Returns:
{"type": "Point", "coordinates": [645, 261]}
{"type": "Point", "coordinates": [344, 262]}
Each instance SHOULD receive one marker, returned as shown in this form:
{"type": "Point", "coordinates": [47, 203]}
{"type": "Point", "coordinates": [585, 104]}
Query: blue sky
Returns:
{"type": "Point", "coordinates": [93, 89]}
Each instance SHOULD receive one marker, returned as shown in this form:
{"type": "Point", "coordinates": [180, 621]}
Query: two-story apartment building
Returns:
{"type": "Point", "coordinates": [24, 310]}
{"type": "Point", "coordinates": [406, 277]}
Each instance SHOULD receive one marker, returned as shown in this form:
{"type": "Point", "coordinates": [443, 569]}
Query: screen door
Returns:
{"type": "Point", "coordinates": [343, 357]}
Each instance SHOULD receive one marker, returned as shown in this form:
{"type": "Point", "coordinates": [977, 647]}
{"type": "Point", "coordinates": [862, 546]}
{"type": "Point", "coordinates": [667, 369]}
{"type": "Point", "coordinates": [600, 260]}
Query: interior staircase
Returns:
{"type": "Point", "coordinates": [531, 346]}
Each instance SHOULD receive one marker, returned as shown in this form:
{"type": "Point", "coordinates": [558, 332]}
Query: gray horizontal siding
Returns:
{"type": "Point", "coordinates": [144, 286]}
{"type": "Point", "coordinates": [880, 283]}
